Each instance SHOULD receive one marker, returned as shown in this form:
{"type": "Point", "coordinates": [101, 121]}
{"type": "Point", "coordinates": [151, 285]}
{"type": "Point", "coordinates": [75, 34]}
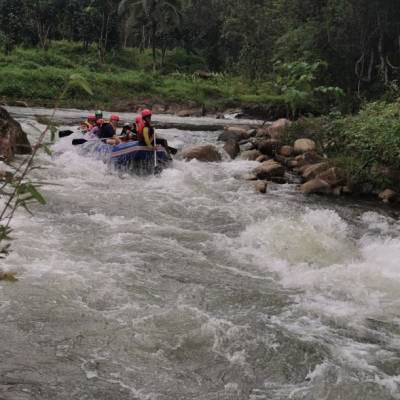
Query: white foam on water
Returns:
{"type": "Point", "coordinates": [104, 242]}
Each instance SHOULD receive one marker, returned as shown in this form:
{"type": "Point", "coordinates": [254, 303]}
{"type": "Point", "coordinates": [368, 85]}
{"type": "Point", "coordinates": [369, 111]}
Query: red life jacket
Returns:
{"type": "Point", "coordinates": [139, 127]}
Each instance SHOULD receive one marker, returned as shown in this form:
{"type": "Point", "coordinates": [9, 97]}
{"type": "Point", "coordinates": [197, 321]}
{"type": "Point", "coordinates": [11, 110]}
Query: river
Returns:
{"type": "Point", "coordinates": [190, 285]}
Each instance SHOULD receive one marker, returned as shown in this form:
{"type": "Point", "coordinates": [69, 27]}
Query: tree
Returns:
{"type": "Point", "coordinates": [154, 18]}
{"type": "Point", "coordinates": [12, 22]}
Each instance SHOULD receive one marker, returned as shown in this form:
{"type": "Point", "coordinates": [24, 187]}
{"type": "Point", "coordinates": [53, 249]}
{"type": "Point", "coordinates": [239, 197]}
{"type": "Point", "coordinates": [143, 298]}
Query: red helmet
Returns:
{"type": "Point", "coordinates": [114, 118]}
{"type": "Point", "coordinates": [100, 122]}
{"type": "Point", "coordinates": [146, 113]}
{"type": "Point", "coordinates": [91, 118]}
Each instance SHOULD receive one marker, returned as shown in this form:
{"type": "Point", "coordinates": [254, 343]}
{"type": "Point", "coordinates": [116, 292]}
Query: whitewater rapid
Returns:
{"type": "Point", "coordinates": [192, 286]}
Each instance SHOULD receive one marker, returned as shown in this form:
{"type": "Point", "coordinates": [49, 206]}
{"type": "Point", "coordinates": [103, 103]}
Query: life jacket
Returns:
{"type": "Point", "coordinates": [147, 136]}
{"type": "Point", "coordinates": [139, 122]}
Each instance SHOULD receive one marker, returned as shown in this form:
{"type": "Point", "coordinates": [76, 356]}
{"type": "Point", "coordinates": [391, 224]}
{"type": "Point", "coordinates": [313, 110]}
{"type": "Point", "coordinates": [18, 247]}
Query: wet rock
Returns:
{"type": "Point", "coordinates": [308, 158]}
{"type": "Point", "coordinates": [262, 132]}
{"type": "Point", "coordinates": [347, 190]}
{"type": "Point", "coordinates": [388, 196]}
{"type": "Point", "coordinates": [251, 133]}
{"type": "Point", "coordinates": [249, 177]}
{"type": "Point", "coordinates": [261, 186]}
{"type": "Point", "coordinates": [268, 146]}
{"type": "Point", "coordinates": [233, 133]}
{"type": "Point", "coordinates": [302, 146]}
{"type": "Point", "coordinates": [247, 146]}
{"type": "Point", "coordinates": [286, 151]}
{"type": "Point", "coordinates": [281, 180]}
{"type": "Point", "coordinates": [292, 163]}
{"type": "Point", "coordinates": [269, 169]}
{"type": "Point", "coordinates": [281, 159]}
{"type": "Point", "coordinates": [232, 148]}
{"type": "Point", "coordinates": [206, 153]}
{"type": "Point", "coordinates": [313, 170]}
{"type": "Point", "coordinates": [250, 155]}
{"type": "Point", "coordinates": [277, 129]}
{"type": "Point", "coordinates": [337, 191]}
{"type": "Point", "coordinates": [315, 186]}
{"type": "Point", "coordinates": [262, 158]}
{"type": "Point", "coordinates": [13, 140]}
{"type": "Point", "coordinates": [189, 113]}
{"type": "Point", "coordinates": [333, 176]}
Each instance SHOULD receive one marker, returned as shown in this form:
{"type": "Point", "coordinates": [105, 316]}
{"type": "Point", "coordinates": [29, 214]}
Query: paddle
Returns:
{"type": "Point", "coordinates": [65, 133]}
{"type": "Point", "coordinates": [77, 142]}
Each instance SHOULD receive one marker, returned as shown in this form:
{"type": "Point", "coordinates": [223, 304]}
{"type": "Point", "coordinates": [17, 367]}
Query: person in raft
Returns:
{"type": "Point", "coordinates": [98, 114]}
{"type": "Point", "coordinates": [88, 125]}
{"type": "Point", "coordinates": [128, 132]}
{"type": "Point", "coordinates": [108, 131]}
{"type": "Point", "coordinates": [145, 130]}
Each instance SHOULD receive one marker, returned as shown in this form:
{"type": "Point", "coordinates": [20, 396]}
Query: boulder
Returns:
{"type": "Point", "coordinates": [277, 129]}
{"type": "Point", "coordinates": [286, 151]}
{"type": "Point", "coordinates": [292, 163]}
{"type": "Point", "coordinates": [206, 153]}
{"type": "Point", "coordinates": [251, 133]}
{"type": "Point", "coordinates": [250, 155]}
{"type": "Point", "coordinates": [268, 146]}
{"type": "Point", "coordinates": [233, 133]}
{"type": "Point", "coordinates": [302, 146]}
{"type": "Point", "coordinates": [333, 176]}
{"type": "Point", "coordinates": [249, 177]}
{"type": "Point", "coordinates": [189, 113]}
{"type": "Point", "coordinates": [308, 158]}
{"type": "Point", "coordinates": [388, 196]}
{"type": "Point", "coordinates": [232, 148]}
{"type": "Point", "coordinates": [247, 146]}
{"type": "Point", "coordinates": [315, 186]}
{"type": "Point", "coordinates": [13, 140]}
{"type": "Point", "coordinates": [269, 169]}
{"type": "Point", "coordinates": [312, 171]}
{"type": "Point", "coordinates": [262, 158]}
{"type": "Point", "coordinates": [262, 132]}
{"type": "Point", "coordinates": [261, 186]}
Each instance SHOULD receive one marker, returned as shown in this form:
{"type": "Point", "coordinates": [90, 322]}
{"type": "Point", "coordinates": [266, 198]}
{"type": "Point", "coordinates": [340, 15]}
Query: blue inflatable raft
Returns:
{"type": "Point", "coordinates": [131, 156]}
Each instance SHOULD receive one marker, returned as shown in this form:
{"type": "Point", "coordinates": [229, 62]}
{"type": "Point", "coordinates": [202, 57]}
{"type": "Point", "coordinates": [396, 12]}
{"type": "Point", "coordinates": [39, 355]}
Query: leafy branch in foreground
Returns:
{"type": "Point", "coordinates": [16, 189]}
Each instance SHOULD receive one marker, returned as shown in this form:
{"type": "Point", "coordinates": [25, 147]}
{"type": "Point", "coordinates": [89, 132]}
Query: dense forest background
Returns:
{"type": "Point", "coordinates": [356, 41]}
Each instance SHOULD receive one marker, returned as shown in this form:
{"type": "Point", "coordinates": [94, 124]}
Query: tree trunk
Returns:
{"type": "Point", "coordinates": [153, 44]}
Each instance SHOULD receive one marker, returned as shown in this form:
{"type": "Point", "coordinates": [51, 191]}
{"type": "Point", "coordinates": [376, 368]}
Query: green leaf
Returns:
{"type": "Point", "coordinates": [78, 80]}
{"type": "Point", "coordinates": [47, 149]}
{"type": "Point", "coordinates": [8, 277]}
{"type": "Point", "coordinates": [28, 188]}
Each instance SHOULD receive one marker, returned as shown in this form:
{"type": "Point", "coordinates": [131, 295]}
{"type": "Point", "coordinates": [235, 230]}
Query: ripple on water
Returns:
{"type": "Point", "coordinates": [192, 286]}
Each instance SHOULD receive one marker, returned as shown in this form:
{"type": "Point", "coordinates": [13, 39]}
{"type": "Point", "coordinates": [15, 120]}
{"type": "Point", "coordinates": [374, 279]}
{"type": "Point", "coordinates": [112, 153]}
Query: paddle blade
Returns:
{"type": "Point", "coordinates": [65, 133]}
{"type": "Point", "coordinates": [77, 142]}
{"type": "Point", "coordinates": [172, 150]}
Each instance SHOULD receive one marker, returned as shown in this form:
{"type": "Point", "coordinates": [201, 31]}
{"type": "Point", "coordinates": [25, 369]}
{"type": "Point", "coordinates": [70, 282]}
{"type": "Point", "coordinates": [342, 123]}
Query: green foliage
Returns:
{"type": "Point", "coordinates": [296, 82]}
{"type": "Point", "coordinates": [365, 145]}
{"type": "Point", "coordinates": [8, 277]}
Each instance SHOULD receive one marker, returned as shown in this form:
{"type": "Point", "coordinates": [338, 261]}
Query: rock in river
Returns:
{"type": "Point", "coordinates": [13, 139]}
{"type": "Point", "coordinates": [207, 153]}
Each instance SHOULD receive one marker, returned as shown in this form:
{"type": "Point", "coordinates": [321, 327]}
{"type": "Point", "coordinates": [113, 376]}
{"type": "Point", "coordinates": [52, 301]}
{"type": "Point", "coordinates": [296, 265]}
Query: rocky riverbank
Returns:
{"type": "Point", "coordinates": [299, 163]}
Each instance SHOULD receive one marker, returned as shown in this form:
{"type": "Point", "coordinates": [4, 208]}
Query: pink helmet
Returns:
{"type": "Point", "coordinates": [146, 113]}
{"type": "Point", "coordinates": [92, 118]}
{"type": "Point", "coordinates": [114, 118]}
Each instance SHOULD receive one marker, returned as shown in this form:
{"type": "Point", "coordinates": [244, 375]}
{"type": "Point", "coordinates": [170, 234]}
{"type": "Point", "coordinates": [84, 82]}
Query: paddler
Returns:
{"type": "Point", "coordinates": [108, 131]}
{"type": "Point", "coordinates": [145, 130]}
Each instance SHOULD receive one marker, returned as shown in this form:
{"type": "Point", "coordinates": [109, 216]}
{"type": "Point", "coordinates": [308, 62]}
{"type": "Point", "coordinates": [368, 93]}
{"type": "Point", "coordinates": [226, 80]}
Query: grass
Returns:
{"type": "Point", "coordinates": [37, 77]}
